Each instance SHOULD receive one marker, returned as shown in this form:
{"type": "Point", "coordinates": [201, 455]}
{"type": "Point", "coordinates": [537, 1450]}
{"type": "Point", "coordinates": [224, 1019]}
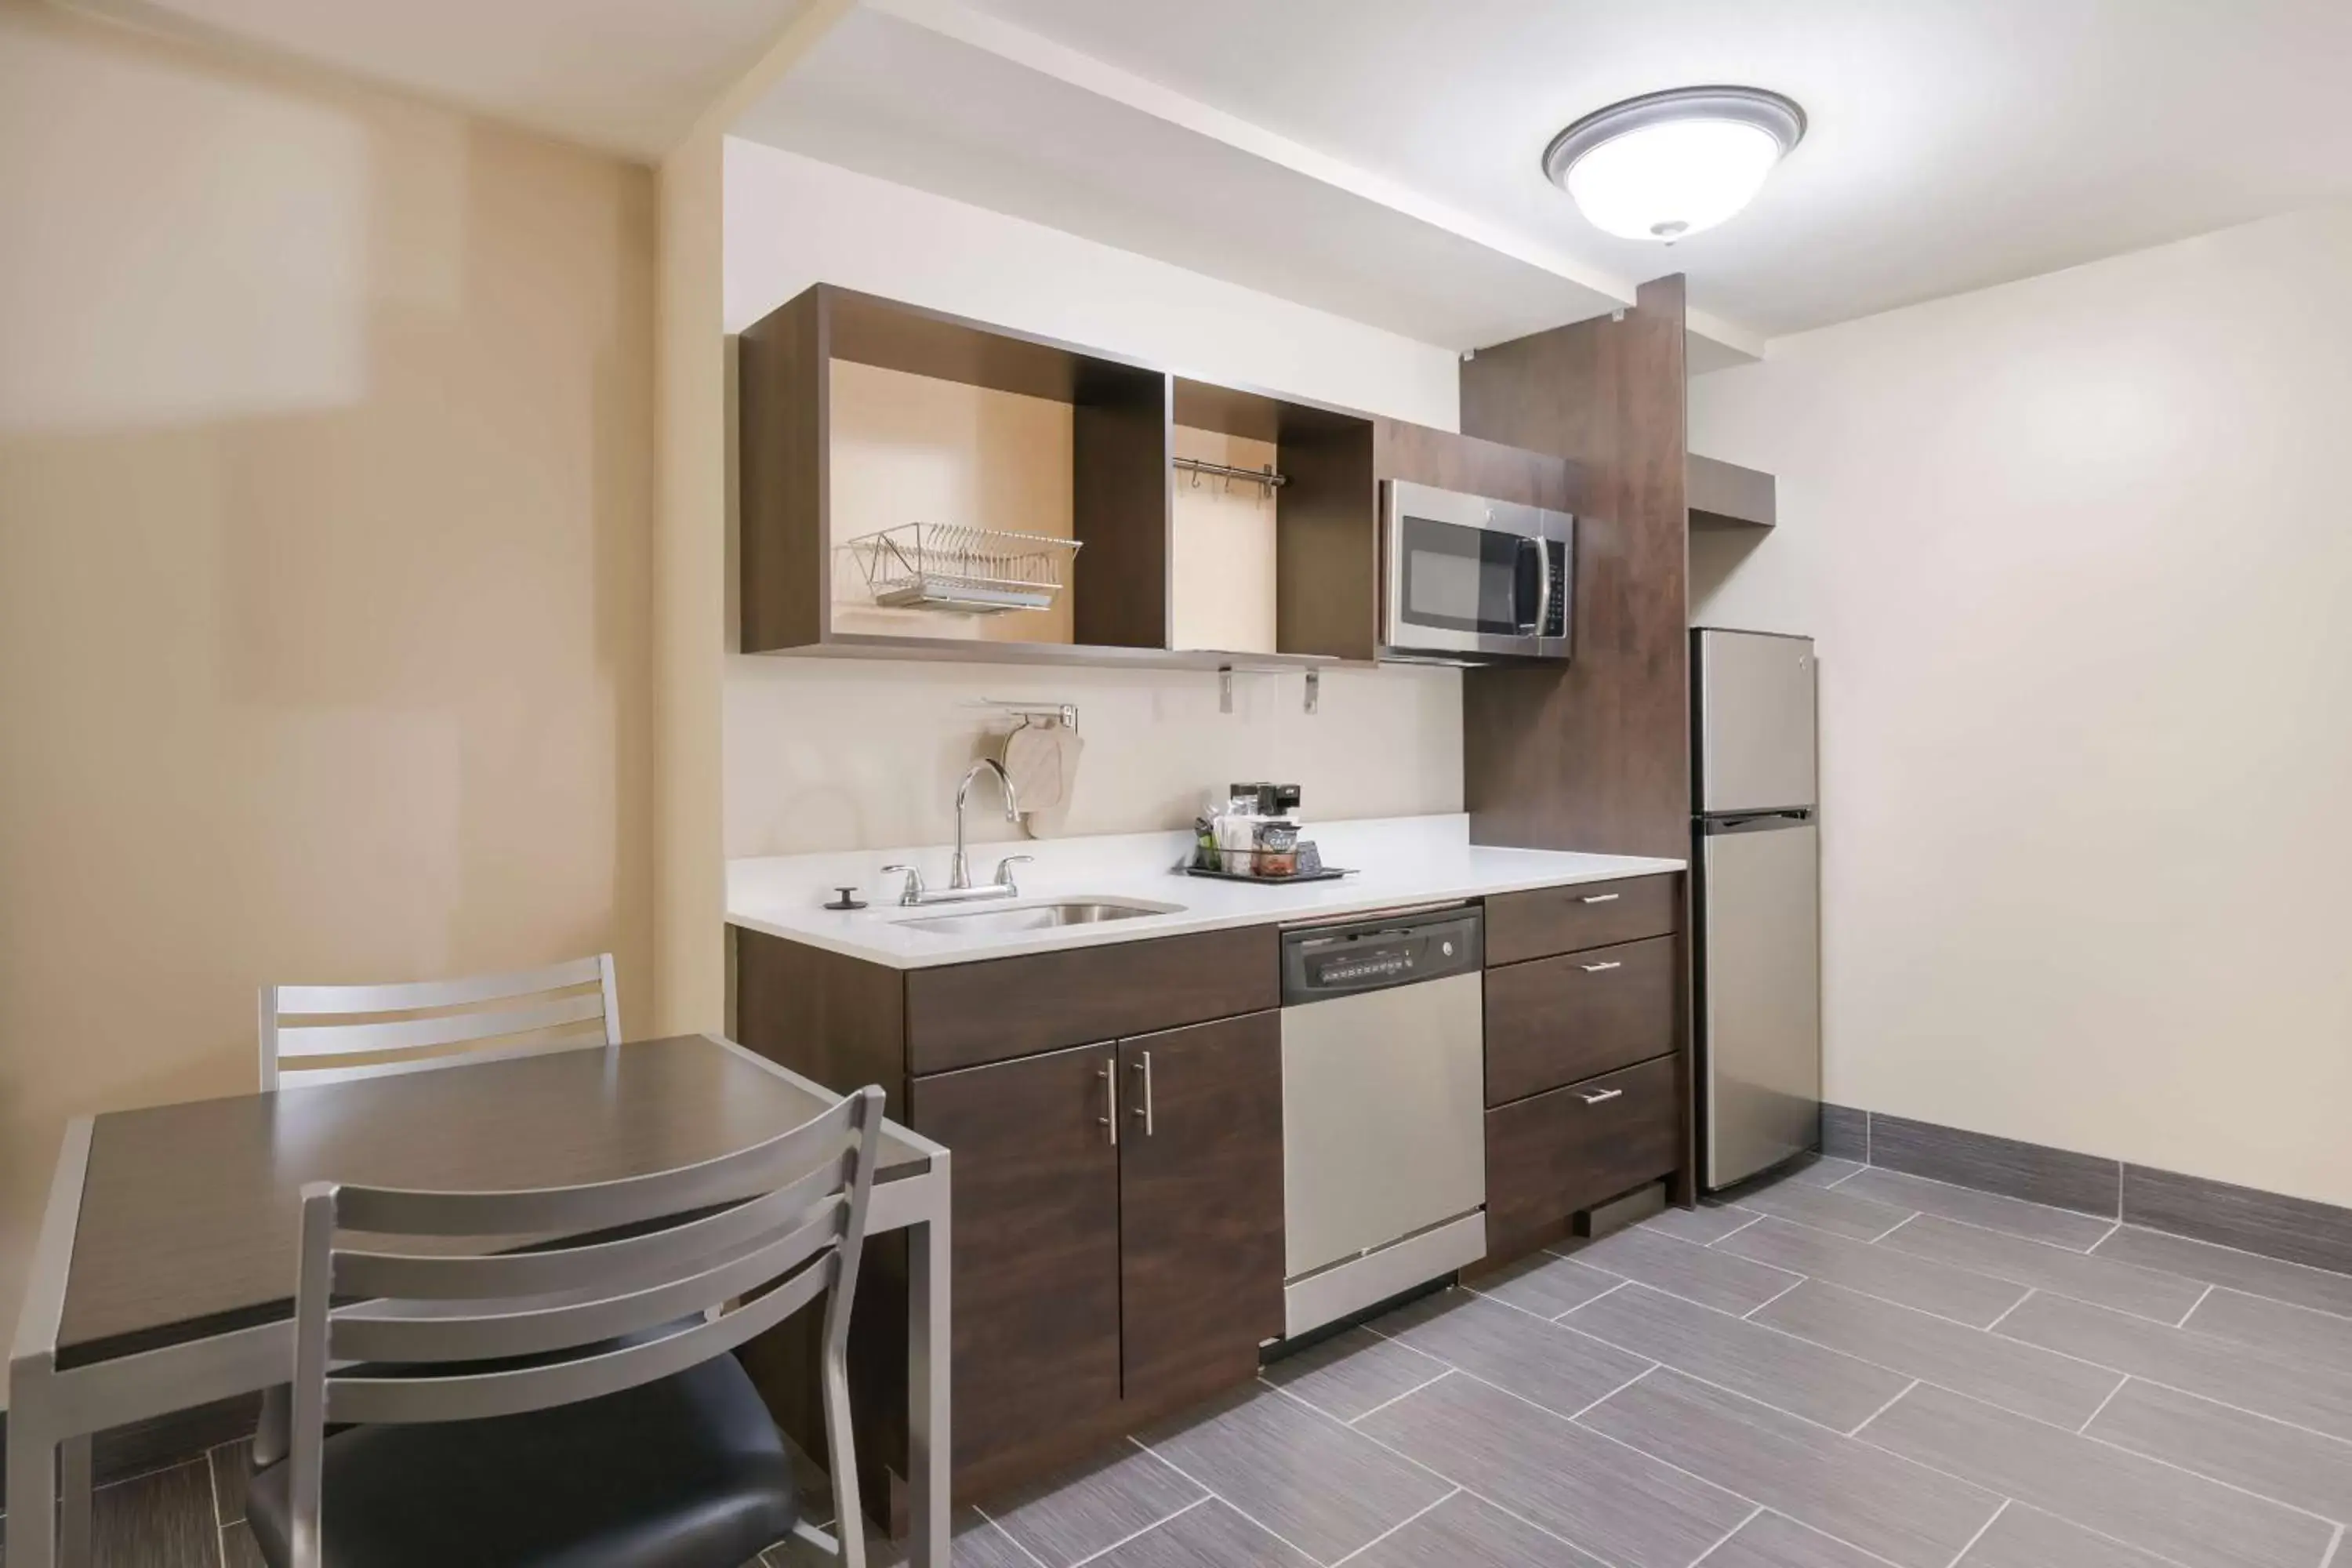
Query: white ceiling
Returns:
{"type": "Point", "coordinates": [1954, 143]}
{"type": "Point", "coordinates": [626, 75]}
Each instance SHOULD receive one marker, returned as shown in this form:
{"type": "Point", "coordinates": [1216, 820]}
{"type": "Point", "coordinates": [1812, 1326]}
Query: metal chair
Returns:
{"type": "Point", "coordinates": [309, 1053]}
{"type": "Point", "coordinates": [572, 1401]}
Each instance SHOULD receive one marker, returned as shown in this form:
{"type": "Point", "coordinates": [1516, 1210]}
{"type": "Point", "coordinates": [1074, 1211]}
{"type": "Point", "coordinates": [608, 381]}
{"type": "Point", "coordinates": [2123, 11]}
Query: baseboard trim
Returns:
{"type": "Point", "coordinates": [2269, 1224]}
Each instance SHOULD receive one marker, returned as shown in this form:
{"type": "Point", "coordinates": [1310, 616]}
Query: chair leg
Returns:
{"type": "Point", "coordinates": [841, 1449]}
{"type": "Point", "coordinates": [270, 1434]}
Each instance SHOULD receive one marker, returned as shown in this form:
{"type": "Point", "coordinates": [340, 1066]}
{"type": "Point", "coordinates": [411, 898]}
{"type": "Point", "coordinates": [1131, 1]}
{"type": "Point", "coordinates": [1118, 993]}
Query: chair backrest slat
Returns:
{"type": "Point", "coordinates": [524, 1330]}
{"type": "Point", "coordinates": [603, 1206]}
{"type": "Point", "coordinates": [443, 1029]}
{"type": "Point", "coordinates": [508, 1393]}
{"type": "Point", "coordinates": [592, 1316]}
{"type": "Point", "coordinates": [298, 1046]}
{"type": "Point", "coordinates": [548, 1272]}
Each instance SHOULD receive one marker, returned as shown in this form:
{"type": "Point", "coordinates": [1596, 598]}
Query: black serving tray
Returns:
{"type": "Point", "coordinates": [1328, 874]}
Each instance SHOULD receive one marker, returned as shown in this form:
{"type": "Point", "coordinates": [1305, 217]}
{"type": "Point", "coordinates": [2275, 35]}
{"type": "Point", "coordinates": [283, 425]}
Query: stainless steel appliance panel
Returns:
{"type": "Point", "coordinates": [1383, 1107]}
{"type": "Point", "coordinates": [1467, 580]}
{"type": "Point", "coordinates": [1755, 721]}
{"type": "Point", "coordinates": [1760, 968]}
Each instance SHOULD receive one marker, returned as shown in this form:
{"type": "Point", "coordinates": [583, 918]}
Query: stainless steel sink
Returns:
{"type": "Point", "coordinates": [1035, 917]}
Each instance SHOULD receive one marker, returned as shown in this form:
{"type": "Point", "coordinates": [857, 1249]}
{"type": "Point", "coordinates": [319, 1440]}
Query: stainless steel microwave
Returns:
{"type": "Point", "coordinates": [1464, 580]}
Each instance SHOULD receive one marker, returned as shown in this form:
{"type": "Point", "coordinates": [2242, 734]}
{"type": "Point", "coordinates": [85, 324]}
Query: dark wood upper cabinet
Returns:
{"type": "Point", "coordinates": [1200, 1180]}
{"type": "Point", "coordinates": [1035, 1248]}
{"type": "Point", "coordinates": [1122, 584]}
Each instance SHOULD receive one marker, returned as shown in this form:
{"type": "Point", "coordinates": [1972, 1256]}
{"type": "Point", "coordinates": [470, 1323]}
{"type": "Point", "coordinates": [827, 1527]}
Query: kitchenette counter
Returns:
{"type": "Point", "coordinates": [1401, 862]}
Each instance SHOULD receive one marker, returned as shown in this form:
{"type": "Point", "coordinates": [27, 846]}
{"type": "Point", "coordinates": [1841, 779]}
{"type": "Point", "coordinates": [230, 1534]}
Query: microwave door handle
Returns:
{"type": "Point", "coordinates": [1543, 587]}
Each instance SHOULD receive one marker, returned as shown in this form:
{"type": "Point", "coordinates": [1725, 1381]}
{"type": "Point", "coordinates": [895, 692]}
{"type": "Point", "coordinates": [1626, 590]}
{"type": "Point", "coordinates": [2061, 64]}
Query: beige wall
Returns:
{"type": "Point", "coordinates": [325, 469]}
{"type": "Point", "coordinates": [2079, 554]}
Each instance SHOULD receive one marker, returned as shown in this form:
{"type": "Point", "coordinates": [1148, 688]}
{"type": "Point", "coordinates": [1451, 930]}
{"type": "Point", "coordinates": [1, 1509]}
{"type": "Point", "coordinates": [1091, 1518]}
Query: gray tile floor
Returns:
{"type": "Point", "coordinates": [1843, 1369]}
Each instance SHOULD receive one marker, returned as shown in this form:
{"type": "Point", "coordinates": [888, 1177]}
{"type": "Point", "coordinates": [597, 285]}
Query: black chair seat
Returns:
{"type": "Point", "coordinates": [686, 1472]}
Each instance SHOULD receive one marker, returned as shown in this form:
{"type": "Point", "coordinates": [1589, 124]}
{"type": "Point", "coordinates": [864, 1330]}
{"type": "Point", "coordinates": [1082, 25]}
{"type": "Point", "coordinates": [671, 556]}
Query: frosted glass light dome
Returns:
{"type": "Point", "coordinates": [1674, 163]}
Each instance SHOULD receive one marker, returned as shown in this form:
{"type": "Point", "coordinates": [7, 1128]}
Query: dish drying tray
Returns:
{"type": "Point", "coordinates": [968, 570]}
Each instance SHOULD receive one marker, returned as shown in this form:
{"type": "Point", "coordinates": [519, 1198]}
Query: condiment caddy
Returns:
{"type": "Point", "coordinates": [1251, 834]}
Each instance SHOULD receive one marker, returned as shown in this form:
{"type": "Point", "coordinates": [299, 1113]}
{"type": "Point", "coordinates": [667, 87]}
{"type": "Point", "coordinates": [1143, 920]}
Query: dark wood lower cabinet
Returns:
{"type": "Point", "coordinates": [1200, 1199]}
{"type": "Point", "coordinates": [1553, 1154]}
{"type": "Point", "coordinates": [1036, 1248]}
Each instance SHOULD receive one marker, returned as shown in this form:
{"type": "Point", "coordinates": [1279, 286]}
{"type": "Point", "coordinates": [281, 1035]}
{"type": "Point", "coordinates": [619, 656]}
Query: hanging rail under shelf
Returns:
{"type": "Point", "coordinates": [1266, 476]}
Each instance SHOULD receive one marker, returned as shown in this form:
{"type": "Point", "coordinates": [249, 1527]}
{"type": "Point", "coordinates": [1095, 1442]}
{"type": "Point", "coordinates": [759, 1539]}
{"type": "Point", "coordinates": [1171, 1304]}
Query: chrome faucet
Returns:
{"type": "Point", "coordinates": [959, 873]}
{"type": "Point", "coordinates": [959, 887]}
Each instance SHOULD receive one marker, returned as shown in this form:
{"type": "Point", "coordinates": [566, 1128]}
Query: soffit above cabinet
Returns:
{"type": "Point", "coordinates": [946, 100]}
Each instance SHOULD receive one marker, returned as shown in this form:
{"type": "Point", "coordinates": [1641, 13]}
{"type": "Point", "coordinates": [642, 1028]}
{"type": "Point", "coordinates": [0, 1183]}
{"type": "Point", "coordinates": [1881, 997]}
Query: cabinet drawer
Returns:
{"type": "Point", "coordinates": [1555, 1153]}
{"type": "Point", "coordinates": [961, 1014]}
{"type": "Point", "coordinates": [1591, 914]}
{"type": "Point", "coordinates": [1554, 1021]}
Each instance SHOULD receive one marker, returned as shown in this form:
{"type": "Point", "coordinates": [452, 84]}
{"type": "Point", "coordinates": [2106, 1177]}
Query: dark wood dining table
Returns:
{"type": "Point", "coordinates": [163, 1275]}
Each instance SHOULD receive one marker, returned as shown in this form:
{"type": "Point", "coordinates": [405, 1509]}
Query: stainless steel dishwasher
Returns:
{"type": "Point", "coordinates": [1383, 1109]}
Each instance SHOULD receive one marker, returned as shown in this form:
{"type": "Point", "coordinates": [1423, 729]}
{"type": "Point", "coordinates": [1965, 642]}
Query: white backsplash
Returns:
{"type": "Point", "coordinates": [855, 754]}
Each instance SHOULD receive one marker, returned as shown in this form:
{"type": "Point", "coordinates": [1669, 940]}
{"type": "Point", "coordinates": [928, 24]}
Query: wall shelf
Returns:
{"type": "Point", "coordinates": [1725, 496]}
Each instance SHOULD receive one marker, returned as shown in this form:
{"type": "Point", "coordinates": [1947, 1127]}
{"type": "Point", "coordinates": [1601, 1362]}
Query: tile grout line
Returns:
{"type": "Point", "coordinates": [1885, 1408]}
{"type": "Point", "coordinates": [2111, 1223]}
{"type": "Point", "coordinates": [1982, 1530]}
{"type": "Point", "coordinates": [1447, 1371]}
{"type": "Point", "coordinates": [2156, 1459]}
{"type": "Point", "coordinates": [1228, 1503]}
{"type": "Point", "coordinates": [2031, 1291]}
{"type": "Point", "coordinates": [1581, 1305]}
{"type": "Point", "coordinates": [1399, 1524]}
{"type": "Point", "coordinates": [1890, 1230]}
{"type": "Point", "coordinates": [1793, 1284]}
{"type": "Point", "coordinates": [1206, 1497]}
{"type": "Point", "coordinates": [1616, 1391]}
{"type": "Point", "coordinates": [2193, 1306]}
{"type": "Point", "coordinates": [1753, 1218]}
{"type": "Point", "coordinates": [2085, 1427]}
{"type": "Point", "coordinates": [998, 1525]}
{"type": "Point", "coordinates": [1728, 1534]}
{"type": "Point", "coordinates": [2333, 1548]}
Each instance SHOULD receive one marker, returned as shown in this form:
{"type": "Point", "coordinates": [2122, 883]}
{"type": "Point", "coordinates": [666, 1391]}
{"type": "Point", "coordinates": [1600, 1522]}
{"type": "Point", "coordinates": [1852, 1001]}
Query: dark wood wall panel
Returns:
{"type": "Point", "coordinates": [1596, 755]}
{"type": "Point", "coordinates": [1478, 468]}
{"type": "Point", "coordinates": [1326, 559]}
{"type": "Point", "coordinates": [783, 382]}
{"type": "Point", "coordinates": [839, 1020]}
{"type": "Point", "coordinates": [1120, 507]}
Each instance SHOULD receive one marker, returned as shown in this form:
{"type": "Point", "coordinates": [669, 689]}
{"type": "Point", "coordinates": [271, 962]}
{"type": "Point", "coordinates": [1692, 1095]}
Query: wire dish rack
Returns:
{"type": "Point", "coordinates": [972, 571]}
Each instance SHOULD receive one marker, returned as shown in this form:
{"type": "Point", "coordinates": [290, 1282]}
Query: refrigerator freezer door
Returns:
{"type": "Point", "coordinates": [1755, 721]}
{"type": "Point", "coordinates": [1761, 980]}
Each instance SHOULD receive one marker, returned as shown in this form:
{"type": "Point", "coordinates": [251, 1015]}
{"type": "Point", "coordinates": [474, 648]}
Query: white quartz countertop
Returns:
{"type": "Point", "coordinates": [1400, 861]}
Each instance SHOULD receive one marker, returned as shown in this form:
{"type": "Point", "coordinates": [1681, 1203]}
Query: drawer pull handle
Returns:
{"type": "Point", "coordinates": [1600, 898]}
{"type": "Point", "coordinates": [1597, 1096]}
{"type": "Point", "coordinates": [1605, 967]}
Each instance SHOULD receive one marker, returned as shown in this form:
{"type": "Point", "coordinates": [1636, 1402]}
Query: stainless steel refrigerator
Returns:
{"type": "Point", "coordinates": [1756, 896]}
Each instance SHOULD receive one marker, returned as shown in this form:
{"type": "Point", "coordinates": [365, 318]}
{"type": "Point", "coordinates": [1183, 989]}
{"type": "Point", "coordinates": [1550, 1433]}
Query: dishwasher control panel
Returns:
{"type": "Point", "coordinates": [1319, 962]}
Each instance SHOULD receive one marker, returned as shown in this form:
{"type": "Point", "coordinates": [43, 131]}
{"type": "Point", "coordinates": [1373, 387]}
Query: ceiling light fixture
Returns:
{"type": "Point", "coordinates": [1672, 163]}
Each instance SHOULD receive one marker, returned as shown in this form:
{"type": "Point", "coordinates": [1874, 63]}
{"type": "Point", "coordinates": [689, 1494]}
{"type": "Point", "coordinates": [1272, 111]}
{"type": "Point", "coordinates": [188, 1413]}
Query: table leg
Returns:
{"type": "Point", "coordinates": [32, 1475]}
{"type": "Point", "coordinates": [74, 1519]}
{"type": "Point", "coordinates": [928, 1335]}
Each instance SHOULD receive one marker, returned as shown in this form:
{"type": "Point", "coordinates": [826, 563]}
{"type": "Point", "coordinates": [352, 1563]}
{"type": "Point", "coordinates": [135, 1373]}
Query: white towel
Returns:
{"type": "Point", "coordinates": [1042, 761]}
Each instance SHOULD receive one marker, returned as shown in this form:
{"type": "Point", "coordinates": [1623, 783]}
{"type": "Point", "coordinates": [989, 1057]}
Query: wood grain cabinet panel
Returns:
{"type": "Point", "coordinates": [1548, 921]}
{"type": "Point", "coordinates": [1200, 1185]}
{"type": "Point", "coordinates": [1553, 1154]}
{"type": "Point", "coordinates": [1555, 1021]}
{"type": "Point", "coordinates": [1035, 1248]}
{"type": "Point", "coordinates": [961, 1014]}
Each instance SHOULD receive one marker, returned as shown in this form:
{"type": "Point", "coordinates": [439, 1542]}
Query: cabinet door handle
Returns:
{"type": "Point", "coordinates": [1597, 1096]}
{"type": "Point", "coordinates": [1600, 898]}
{"type": "Point", "coordinates": [1143, 1111]}
{"type": "Point", "coordinates": [1604, 966]}
{"type": "Point", "coordinates": [1109, 1076]}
